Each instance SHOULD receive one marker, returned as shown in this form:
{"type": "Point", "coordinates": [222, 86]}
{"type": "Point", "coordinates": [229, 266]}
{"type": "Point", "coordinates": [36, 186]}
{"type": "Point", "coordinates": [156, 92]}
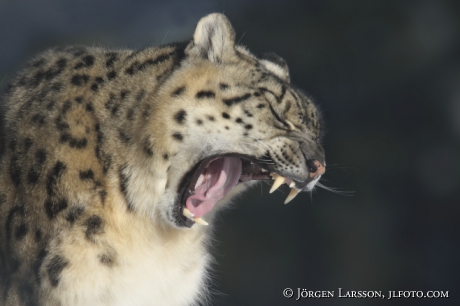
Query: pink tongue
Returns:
{"type": "Point", "coordinates": [215, 182]}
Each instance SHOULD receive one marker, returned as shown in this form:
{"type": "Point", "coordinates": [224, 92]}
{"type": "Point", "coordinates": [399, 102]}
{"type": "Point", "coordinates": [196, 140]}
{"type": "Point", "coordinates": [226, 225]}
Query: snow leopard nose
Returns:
{"type": "Point", "coordinates": [315, 160]}
{"type": "Point", "coordinates": [315, 169]}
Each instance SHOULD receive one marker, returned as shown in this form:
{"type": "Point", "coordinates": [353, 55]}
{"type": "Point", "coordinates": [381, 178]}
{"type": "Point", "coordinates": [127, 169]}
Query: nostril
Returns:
{"type": "Point", "coordinates": [315, 167]}
{"type": "Point", "coordinates": [312, 165]}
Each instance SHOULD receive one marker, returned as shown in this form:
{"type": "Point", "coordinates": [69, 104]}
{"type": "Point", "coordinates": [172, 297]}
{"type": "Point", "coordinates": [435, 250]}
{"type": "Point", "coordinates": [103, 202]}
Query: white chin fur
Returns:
{"type": "Point", "coordinates": [312, 184]}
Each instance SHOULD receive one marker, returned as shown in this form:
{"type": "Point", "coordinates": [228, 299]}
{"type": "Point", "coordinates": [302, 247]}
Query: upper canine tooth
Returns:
{"type": "Point", "coordinates": [188, 213]}
{"type": "Point", "coordinates": [294, 192]}
{"type": "Point", "coordinates": [278, 182]}
{"type": "Point", "coordinates": [200, 221]}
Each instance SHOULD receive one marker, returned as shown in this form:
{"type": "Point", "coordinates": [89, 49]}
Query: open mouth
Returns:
{"type": "Point", "coordinates": [214, 177]}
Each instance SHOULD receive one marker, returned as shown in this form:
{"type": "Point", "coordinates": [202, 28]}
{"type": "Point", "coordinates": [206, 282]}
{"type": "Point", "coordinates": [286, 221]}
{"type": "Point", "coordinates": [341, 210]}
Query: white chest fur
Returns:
{"type": "Point", "coordinates": [158, 275]}
{"type": "Point", "coordinates": [151, 266]}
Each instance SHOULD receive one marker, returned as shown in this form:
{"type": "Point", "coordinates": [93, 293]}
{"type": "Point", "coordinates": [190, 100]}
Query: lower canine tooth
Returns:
{"type": "Point", "coordinates": [278, 182]}
{"type": "Point", "coordinates": [292, 195]}
{"type": "Point", "coordinates": [200, 221]}
{"type": "Point", "coordinates": [188, 213]}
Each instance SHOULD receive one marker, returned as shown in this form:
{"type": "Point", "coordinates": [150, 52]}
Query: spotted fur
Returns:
{"type": "Point", "coordinates": [97, 144]}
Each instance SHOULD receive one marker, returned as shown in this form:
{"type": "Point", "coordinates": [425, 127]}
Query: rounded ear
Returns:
{"type": "Point", "coordinates": [214, 38]}
{"type": "Point", "coordinates": [276, 65]}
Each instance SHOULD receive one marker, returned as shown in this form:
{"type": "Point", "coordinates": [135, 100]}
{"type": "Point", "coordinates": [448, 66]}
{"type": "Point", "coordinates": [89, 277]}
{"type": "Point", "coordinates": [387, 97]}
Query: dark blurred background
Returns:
{"type": "Point", "coordinates": [386, 75]}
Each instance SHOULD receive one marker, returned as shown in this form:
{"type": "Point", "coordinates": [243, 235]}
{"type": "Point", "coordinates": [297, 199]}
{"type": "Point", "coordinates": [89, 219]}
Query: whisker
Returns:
{"type": "Point", "coordinates": [265, 161]}
{"type": "Point", "coordinates": [241, 38]}
{"type": "Point", "coordinates": [334, 167]}
{"type": "Point", "coordinates": [341, 192]}
{"type": "Point", "coordinates": [256, 145]}
{"type": "Point", "coordinates": [261, 143]}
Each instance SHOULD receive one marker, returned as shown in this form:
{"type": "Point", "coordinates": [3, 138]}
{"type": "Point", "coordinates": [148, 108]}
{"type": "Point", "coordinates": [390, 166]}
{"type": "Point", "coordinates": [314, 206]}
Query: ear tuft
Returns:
{"type": "Point", "coordinates": [276, 65]}
{"type": "Point", "coordinates": [214, 38]}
